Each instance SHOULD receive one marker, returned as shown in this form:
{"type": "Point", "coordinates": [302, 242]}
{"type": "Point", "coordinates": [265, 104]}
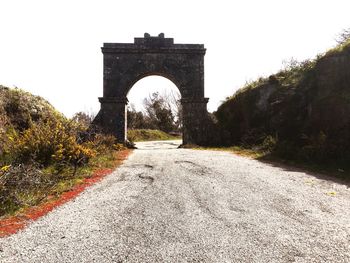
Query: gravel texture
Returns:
{"type": "Point", "coordinates": [178, 205]}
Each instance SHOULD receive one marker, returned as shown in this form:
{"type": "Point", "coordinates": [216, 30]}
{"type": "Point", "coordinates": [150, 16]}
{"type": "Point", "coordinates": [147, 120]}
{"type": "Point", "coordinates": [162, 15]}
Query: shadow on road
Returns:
{"type": "Point", "coordinates": [332, 175]}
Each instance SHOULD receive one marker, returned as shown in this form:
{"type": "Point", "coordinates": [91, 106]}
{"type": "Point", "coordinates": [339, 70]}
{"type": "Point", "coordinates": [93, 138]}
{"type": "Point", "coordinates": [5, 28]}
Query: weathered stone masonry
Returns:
{"type": "Point", "coordinates": [125, 64]}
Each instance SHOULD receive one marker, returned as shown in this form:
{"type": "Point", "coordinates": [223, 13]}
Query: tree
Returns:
{"type": "Point", "coordinates": [174, 100]}
{"type": "Point", "coordinates": [343, 37]}
{"type": "Point", "coordinates": [158, 110]}
{"type": "Point", "coordinates": [136, 119]}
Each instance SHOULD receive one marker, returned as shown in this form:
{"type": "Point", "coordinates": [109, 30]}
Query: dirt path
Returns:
{"type": "Point", "coordinates": [177, 205]}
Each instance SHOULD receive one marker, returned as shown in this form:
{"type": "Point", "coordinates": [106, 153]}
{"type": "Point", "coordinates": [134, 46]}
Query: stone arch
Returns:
{"type": "Point", "coordinates": [125, 64]}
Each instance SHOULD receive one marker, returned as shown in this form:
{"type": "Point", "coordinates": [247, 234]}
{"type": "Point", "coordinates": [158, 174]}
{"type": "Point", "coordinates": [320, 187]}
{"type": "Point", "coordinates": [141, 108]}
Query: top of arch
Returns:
{"type": "Point", "coordinates": [152, 44]}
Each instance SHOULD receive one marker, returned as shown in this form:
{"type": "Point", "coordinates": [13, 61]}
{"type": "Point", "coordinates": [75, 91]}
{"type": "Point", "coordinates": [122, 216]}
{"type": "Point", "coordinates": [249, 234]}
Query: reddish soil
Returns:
{"type": "Point", "coordinates": [13, 224]}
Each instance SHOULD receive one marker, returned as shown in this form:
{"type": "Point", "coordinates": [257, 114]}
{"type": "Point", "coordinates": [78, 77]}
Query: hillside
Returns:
{"type": "Point", "coordinates": [19, 108]}
{"type": "Point", "coordinates": [302, 112]}
{"type": "Point", "coordinates": [44, 154]}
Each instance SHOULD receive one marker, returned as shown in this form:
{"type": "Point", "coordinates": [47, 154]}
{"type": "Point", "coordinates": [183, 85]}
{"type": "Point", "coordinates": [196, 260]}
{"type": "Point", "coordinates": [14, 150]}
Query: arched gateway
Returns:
{"type": "Point", "coordinates": [125, 64]}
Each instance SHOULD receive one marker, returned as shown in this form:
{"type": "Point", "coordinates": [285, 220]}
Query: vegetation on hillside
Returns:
{"type": "Point", "coordinates": [43, 153]}
{"type": "Point", "coordinates": [301, 113]}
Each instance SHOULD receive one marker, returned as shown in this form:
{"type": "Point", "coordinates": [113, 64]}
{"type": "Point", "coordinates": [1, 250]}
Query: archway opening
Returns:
{"type": "Point", "coordinates": [154, 111]}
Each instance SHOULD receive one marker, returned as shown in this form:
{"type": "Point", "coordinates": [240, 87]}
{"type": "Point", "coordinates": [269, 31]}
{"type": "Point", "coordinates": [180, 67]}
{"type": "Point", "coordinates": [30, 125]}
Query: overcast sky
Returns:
{"type": "Point", "coordinates": [52, 48]}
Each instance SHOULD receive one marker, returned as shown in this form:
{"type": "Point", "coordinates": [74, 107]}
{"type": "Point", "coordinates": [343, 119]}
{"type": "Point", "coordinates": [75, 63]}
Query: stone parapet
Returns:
{"type": "Point", "coordinates": [158, 44]}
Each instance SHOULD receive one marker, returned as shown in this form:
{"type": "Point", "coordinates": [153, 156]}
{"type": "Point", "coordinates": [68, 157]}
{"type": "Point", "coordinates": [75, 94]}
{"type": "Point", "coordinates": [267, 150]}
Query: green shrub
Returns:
{"type": "Point", "coordinates": [269, 144]}
{"type": "Point", "coordinates": [102, 143]}
{"type": "Point", "coordinates": [315, 148]}
{"type": "Point", "coordinates": [22, 185]}
{"type": "Point", "coordinates": [43, 153]}
{"type": "Point", "coordinates": [47, 143]}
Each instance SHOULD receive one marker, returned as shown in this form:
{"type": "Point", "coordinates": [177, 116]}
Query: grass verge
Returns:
{"type": "Point", "coordinates": [138, 135]}
{"type": "Point", "coordinates": [234, 149]}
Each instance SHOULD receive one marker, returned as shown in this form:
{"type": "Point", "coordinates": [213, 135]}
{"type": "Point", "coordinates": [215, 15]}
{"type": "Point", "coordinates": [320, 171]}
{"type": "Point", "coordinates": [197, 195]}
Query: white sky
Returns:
{"type": "Point", "coordinates": [52, 48]}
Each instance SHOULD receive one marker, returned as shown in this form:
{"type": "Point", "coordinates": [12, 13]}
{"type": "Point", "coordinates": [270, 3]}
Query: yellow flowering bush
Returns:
{"type": "Point", "coordinates": [54, 141]}
{"type": "Point", "coordinates": [5, 168]}
{"type": "Point", "coordinates": [101, 142]}
{"type": "Point", "coordinates": [43, 153]}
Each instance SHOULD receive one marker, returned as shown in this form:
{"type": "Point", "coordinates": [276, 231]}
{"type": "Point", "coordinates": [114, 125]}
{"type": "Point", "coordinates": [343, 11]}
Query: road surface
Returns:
{"type": "Point", "coordinates": [179, 205]}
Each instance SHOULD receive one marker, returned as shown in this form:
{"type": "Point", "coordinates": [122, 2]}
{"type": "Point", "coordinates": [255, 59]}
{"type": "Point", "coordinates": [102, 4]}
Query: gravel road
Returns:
{"type": "Point", "coordinates": [178, 205]}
